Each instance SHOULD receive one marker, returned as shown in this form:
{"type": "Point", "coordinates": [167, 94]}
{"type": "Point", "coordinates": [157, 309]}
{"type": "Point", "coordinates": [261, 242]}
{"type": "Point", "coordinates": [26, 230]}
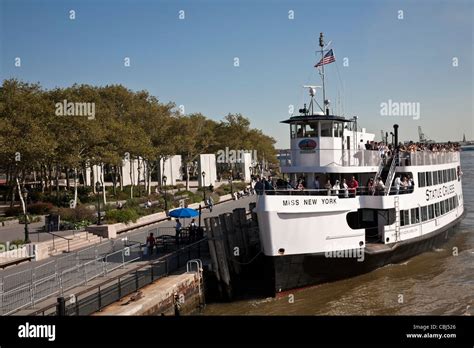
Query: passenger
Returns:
{"type": "Point", "coordinates": [345, 187]}
{"type": "Point", "coordinates": [300, 185]}
{"type": "Point", "coordinates": [328, 187]}
{"type": "Point", "coordinates": [353, 185]}
{"type": "Point", "coordinates": [411, 184]}
{"type": "Point", "coordinates": [397, 183]}
{"type": "Point", "coordinates": [336, 188]}
{"type": "Point", "coordinates": [259, 187]}
{"type": "Point", "coordinates": [404, 185]}
{"type": "Point", "coordinates": [371, 187]}
{"type": "Point", "coordinates": [317, 185]}
{"type": "Point", "coordinates": [379, 187]}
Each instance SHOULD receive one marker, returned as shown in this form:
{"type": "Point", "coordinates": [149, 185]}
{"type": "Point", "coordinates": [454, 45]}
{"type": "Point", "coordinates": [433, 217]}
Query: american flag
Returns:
{"type": "Point", "coordinates": [328, 58]}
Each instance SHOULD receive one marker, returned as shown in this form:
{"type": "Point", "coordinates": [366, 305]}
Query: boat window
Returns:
{"type": "Point", "coordinates": [415, 216]}
{"type": "Point", "coordinates": [440, 176]}
{"type": "Point", "coordinates": [442, 208]}
{"type": "Point", "coordinates": [300, 130]}
{"type": "Point", "coordinates": [435, 178]}
{"type": "Point", "coordinates": [431, 211]}
{"type": "Point", "coordinates": [326, 128]}
{"type": "Point", "coordinates": [337, 129]}
{"type": "Point", "coordinates": [421, 179]}
{"type": "Point", "coordinates": [456, 201]}
{"type": "Point", "coordinates": [429, 182]}
{"type": "Point", "coordinates": [424, 213]}
{"type": "Point", "coordinates": [293, 130]}
{"type": "Point", "coordinates": [445, 175]}
{"type": "Point", "coordinates": [437, 209]}
{"type": "Point", "coordinates": [311, 130]}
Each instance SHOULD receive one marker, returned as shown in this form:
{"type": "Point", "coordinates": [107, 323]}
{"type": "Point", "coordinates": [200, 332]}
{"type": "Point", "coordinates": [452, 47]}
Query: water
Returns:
{"type": "Point", "coordinates": [436, 282]}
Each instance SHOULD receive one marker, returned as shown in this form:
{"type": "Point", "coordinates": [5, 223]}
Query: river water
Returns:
{"type": "Point", "coordinates": [439, 282]}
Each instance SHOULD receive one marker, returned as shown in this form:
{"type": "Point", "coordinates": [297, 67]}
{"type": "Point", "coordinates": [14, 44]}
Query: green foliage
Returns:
{"type": "Point", "coordinates": [40, 208]}
{"type": "Point", "coordinates": [123, 215]}
{"type": "Point", "coordinates": [78, 214]}
{"type": "Point", "coordinates": [31, 218]}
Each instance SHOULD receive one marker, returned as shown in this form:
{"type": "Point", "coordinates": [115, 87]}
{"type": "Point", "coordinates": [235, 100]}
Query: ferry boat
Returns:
{"type": "Point", "coordinates": [311, 235]}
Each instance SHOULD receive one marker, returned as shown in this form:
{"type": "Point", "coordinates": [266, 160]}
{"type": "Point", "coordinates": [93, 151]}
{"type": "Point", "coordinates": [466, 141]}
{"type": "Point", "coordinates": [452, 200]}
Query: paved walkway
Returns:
{"type": "Point", "coordinates": [218, 209]}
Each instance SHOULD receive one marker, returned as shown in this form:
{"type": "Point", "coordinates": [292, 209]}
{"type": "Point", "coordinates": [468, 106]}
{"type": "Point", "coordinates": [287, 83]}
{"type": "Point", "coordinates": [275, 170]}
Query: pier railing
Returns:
{"type": "Point", "coordinates": [26, 288]}
{"type": "Point", "coordinates": [114, 288]}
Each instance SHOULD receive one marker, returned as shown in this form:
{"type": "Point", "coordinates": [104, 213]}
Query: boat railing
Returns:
{"type": "Point", "coordinates": [332, 192]}
{"type": "Point", "coordinates": [329, 157]}
{"type": "Point", "coordinates": [423, 158]}
{"type": "Point", "coordinates": [362, 158]}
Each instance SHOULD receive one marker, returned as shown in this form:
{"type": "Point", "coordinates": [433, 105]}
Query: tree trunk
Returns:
{"type": "Point", "coordinates": [104, 191]}
{"type": "Point", "coordinates": [22, 201]}
{"type": "Point", "coordinates": [132, 178]}
{"type": "Point", "coordinates": [187, 176]}
{"type": "Point", "coordinates": [75, 187]}
{"type": "Point", "coordinates": [114, 179]}
{"type": "Point", "coordinates": [67, 178]}
{"type": "Point", "coordinates": [139, 167]}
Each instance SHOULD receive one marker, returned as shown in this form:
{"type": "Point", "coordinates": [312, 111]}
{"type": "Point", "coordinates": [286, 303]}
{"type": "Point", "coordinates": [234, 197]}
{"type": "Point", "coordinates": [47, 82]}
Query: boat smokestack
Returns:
{"type": "Point", "coordinates": [395, 131]}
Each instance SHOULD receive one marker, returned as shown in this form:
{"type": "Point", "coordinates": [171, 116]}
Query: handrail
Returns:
{"type": "Point", "coordinates": [57, 235]}
{"type": "Point", "coordinates": [114, 278]}
{"type": "Point", "coordinates": [391, 172]}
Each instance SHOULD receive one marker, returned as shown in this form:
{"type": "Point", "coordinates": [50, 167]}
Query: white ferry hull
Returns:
{"type": "Point", "coordinates": [284, 273]}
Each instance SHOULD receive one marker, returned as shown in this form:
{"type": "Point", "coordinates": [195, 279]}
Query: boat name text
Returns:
{"type": "Point", "coordinates": [310, 201]}
{"type": "Point", "coordinates": [439, 192]}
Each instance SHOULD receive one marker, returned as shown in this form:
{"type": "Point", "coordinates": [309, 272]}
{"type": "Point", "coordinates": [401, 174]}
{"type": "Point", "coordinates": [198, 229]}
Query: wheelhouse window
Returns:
{"type": "Point", "coordinates": [326, 129]}
{"type": "Point", "coordinates": [337, 129]}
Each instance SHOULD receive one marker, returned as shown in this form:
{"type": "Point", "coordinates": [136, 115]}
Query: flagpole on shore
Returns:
{"type": "Point", "coordinates": [321, 44]}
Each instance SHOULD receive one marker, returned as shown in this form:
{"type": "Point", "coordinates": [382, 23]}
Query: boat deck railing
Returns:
{"type": "Point", "coordinates": [340, 193]}
{"type": "Point", "coordinates": [365, 158]}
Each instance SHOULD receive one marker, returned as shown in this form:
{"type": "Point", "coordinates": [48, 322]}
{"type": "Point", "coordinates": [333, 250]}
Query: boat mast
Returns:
{"type": "Point", "coordinates": [321, 44]}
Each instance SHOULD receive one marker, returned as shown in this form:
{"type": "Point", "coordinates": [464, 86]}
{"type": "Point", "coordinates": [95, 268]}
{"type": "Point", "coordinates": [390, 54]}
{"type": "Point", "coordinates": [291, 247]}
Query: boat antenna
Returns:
{"type": "Point", "coordinates": [312, 93]}
{"type": "Point", "coordinates": [321, 44]}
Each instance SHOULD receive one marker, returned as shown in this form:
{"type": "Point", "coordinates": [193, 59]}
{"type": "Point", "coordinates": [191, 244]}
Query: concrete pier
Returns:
{"type": "Point", "coordinates": [172, 295]}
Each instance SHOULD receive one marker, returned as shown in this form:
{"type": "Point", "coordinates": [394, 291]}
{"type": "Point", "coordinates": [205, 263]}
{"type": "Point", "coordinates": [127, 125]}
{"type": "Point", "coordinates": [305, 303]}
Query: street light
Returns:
{"type": "Point", "coordinates": [231, 187]}
{"type": "Point", "coordinates": [98, 188]}
{"type": "Point", "coordinates": [204, 185]}
{"type": "Point", "coordinates": [27, 232]}
{"type": "Point", "coordinates": [164, 186]}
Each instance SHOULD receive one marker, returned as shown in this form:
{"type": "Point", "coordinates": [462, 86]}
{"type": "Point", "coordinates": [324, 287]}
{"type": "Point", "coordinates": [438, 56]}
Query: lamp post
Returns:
{"type": "Point", "coordinates": [98, 188]}
{"type": "Point", "coordinates": [231, 187]}
{"type": "Point", "coordinates": [164, 186]}
{"type": "Point", "coordinates": [27, 232]}
{"type": "Point", "coordinates": [204, 185]}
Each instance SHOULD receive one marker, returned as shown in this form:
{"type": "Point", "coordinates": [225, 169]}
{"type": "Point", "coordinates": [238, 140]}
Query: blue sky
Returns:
{"type": "Point", "coordinates": [191, 61]}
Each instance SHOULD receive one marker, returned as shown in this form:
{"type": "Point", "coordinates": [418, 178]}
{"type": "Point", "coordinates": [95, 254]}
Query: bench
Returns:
{"type": "Point", "coordinates": [14, 262]}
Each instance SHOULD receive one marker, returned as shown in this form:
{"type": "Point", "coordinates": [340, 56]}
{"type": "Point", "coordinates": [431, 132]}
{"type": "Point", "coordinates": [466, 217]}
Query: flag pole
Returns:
{"type": "Point", "coordinates": [321, 44]}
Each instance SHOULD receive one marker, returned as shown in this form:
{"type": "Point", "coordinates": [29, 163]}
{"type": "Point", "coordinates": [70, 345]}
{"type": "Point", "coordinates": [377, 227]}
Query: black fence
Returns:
{"type": "Point", "coordinates": [98, 297]}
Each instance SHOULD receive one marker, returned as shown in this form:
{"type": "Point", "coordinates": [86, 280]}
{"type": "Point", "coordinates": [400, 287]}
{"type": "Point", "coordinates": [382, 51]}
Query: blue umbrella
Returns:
{"type": "Point", "coordinates": [183, 213]}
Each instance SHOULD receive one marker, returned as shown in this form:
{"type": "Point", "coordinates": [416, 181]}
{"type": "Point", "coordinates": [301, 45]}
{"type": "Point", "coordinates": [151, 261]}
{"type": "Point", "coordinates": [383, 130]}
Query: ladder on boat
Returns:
{"type": "Point", "coordinates": [396, 203]}
{"type": "Point", "coordinates": [391, 173]}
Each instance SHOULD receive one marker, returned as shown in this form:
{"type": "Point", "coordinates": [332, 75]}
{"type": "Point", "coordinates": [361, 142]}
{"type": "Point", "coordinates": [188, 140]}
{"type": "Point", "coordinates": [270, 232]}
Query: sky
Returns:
{"type": "Point", "coordinates": [423, 55]}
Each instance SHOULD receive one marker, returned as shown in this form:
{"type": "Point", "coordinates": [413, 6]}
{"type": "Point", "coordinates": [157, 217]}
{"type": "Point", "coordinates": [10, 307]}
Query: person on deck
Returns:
{"type": "Point", "coordinates": [150, 244]}
{"type": "Point", "coordinates": [353, 185]}
{"type": "Point", "coordinates": [178, 230]}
